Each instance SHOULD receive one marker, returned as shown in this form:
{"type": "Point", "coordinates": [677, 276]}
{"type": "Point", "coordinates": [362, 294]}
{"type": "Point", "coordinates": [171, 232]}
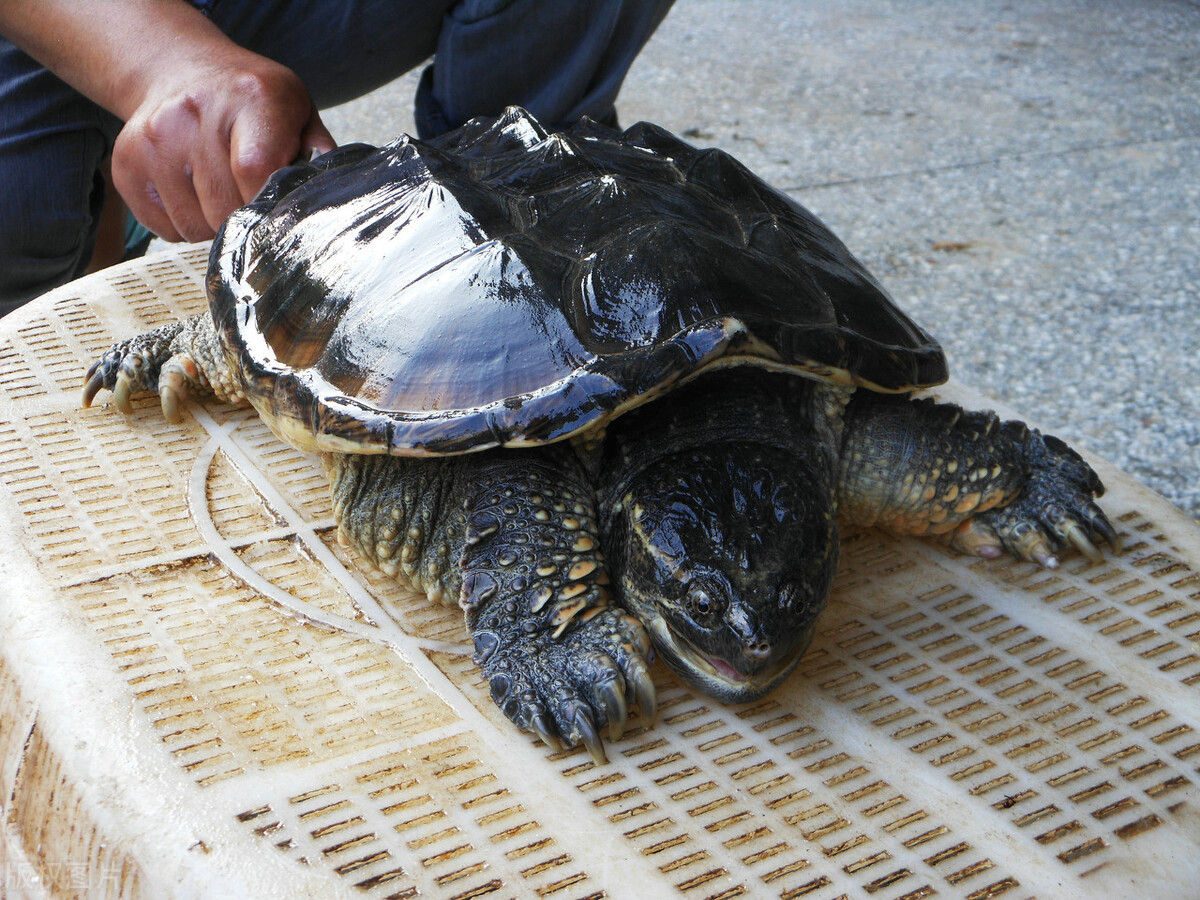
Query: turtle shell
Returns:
{"type": "Point", "coordinates": [501, 285]}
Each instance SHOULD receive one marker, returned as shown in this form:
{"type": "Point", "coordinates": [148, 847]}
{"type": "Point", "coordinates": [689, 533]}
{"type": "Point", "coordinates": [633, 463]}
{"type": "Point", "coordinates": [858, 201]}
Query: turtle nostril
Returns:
{"type": "Point", "coordinates": [758, 650]}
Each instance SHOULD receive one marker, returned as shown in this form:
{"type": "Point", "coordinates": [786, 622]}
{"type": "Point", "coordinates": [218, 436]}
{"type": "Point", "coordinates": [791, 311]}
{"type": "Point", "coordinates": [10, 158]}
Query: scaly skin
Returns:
{"type": "Point", "coordinates": [174, 361]}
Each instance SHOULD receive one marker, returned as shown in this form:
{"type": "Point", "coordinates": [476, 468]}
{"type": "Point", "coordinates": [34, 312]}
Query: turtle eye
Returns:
{"type": "Point", "coordinates": [701, 604]}
{"type": "Point", "coordinates": [795, 597]}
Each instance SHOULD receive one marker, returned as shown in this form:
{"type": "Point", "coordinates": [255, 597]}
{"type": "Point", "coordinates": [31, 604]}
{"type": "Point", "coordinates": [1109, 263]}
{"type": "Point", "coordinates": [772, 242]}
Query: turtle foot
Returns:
{"type": "Point", "coordinates": [1055, 508]}
{"type": "Point", "coordinates": [131, 366]}
{"type": "Point", "coordinates": [176, 361]}
{"type": "Point", "coordinates": [566, 689]}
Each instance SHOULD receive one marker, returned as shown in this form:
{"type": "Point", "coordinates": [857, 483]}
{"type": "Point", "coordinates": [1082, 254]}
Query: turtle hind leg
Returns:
{"type": "Point", "coordinates": [175, 361]}
{"type": "Point", "coordinates": [984, 486]}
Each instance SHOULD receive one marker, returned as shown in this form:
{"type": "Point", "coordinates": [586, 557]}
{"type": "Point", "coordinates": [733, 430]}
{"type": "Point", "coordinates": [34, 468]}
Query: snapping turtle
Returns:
{"type": "Point", "coordinates": [536, 362]}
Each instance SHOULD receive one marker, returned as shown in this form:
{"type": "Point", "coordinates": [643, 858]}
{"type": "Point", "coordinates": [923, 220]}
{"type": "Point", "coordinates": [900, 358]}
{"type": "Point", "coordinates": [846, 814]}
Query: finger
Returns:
{"type": "Point", "coordinates": [177, 193]}
{"type": "Point", "coordinates": [213, 181]}
{"type": "Point", "coordinates": [157, 187]}
{"type": "Point", "coordinates": [152, 170]}
{"type": "Point", "coordinates": [132, 179]}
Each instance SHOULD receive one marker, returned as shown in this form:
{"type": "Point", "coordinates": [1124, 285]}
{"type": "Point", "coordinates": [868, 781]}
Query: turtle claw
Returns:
{"type": "Point", "coordinates": [122, 391]}
{"type": "Point", "coordinates": [130, 367]}
{"type": "Point", "coordinates": [1045, 560]}
{"type": "Point", "coordinates": [643, 689]}
{"type": "Point", "coordinates": [171, 403]}
{"type": "Point", "coordinates": [544, 729]}
{"type": "Point", "coordinates": [609, 698]}
{"type": "Point", "coordinates": [1079, 539]}
{"type": "Point", "coordinates": [165, 361]}
{"type": "Point", "coordinates": [106, 373]}
{"type": "Point", "coordinates": [93, 382]}
{"type": "Point", "coordinates": [177, 374]}
{"type": "Point", "coordinates": [1100, 526]}
{"type": "Point", "coordinates": [585, 732]}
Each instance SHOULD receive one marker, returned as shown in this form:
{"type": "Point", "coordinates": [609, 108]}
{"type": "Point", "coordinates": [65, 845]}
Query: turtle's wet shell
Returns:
{"type": "Point", "coordinates": [502, 285]}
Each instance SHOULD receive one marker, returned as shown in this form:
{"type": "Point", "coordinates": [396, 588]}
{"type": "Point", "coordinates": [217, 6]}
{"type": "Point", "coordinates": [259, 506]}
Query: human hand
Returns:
{"type": "Point", "coordinates": [207, 121]}
{"type": "Point", "coordinates": [205, 138]}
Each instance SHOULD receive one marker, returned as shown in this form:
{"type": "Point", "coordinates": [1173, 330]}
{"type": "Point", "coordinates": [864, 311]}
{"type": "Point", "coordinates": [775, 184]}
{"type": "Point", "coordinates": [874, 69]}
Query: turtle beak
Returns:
{"type": "Point", "coordinates": [714, 675]}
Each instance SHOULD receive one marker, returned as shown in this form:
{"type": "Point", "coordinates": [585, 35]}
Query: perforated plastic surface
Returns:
{"type": "Point", "coordinates": [204, 695]}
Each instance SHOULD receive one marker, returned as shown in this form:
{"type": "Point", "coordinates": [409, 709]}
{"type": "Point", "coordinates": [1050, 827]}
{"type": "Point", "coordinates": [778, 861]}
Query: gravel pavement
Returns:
{"type": "Point", "coordinates": [1024, 177]}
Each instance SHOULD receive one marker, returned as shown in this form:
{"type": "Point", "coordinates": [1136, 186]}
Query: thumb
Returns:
{"type": "Point", "coordinates": [315, 139]}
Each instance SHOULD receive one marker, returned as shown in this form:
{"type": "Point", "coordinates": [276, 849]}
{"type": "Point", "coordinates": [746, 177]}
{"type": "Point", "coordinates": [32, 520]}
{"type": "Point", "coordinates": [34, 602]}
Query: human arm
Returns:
{"type": "Point", "coordinates": [206, 121]}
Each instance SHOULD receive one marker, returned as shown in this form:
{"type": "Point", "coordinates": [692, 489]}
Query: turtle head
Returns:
{"type": "Point", "coordinates": [726, 554]}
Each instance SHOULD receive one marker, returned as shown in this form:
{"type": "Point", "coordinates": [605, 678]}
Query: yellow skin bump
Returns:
{"type": "Point", "coordinates": [581, 569]}
{"type": "Point", "coordinates": [968, 504]}
{"type": "Point", "coordinates": [926, 513]}
{"type": "Point", "coordinates": [572, 590]}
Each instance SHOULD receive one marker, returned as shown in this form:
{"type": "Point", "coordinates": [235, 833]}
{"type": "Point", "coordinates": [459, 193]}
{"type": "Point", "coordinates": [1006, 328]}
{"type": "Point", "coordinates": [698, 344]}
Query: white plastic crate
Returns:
{"type": "Point", "coordinates": [204, 696]}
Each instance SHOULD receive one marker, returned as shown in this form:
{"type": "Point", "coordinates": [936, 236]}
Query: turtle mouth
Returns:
{"type": "Point", "coordinates": [715, 676]}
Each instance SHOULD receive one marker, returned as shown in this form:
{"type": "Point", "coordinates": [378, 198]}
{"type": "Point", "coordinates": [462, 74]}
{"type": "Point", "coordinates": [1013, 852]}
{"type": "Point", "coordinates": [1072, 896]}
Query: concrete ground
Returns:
{"type": "Point", "coordinates": [1023, 176]}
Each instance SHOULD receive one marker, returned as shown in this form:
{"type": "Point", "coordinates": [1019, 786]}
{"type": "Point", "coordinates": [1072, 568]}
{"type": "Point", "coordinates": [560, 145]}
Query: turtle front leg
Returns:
{"type": "Point", "coordinates": [984, 486]}
{"type": "Point", "coordinates": [175, 361]}
{"type": "Point", "coordinates": [557, 655]}
{"type": "Point", "coordinates": [509, 535]}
